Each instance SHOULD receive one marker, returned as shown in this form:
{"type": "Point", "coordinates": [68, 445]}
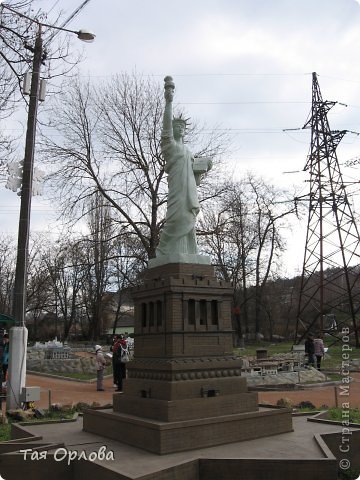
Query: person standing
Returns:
{"type": "Point", "coordinates": [115, 339]}
{"type": "Point", "coordinates": [5, 357]}
{"type": "Point", "coordinates": [319, 350]}
{"type": "Point", "coordinates": [100, 367]}
{"type": "Point", "coordinates": [118, 365]}
{"type": "Point", "coordinates": [310, 350]}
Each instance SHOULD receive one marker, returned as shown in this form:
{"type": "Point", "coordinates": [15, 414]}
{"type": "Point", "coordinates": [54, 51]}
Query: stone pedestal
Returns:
{"type": "Point", "coordinates": [183, 388]}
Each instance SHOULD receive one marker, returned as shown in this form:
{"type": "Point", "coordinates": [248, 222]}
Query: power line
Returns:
{"type": "Point", "coordinates": [252, 102]}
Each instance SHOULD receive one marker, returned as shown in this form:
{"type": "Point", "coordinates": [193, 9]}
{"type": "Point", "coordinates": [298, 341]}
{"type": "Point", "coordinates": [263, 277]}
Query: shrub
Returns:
{"type": "Point", "coordinates": [306, 405]}
{"type": "Point", "coordinates": [284, 403]}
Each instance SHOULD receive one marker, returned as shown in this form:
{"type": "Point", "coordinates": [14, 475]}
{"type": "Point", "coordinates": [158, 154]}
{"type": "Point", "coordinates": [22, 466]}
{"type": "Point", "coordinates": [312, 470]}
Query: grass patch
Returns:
{"type": "Point", "coordinates": [337, 414]}
{"type": "Point", "coordinates": [5, 432]}
{"type": "Point", "coordinates": [349, 474]}
{"type": "Point", "coordinates": [77, 376]}
{"type": "Point", "coordinates": [306, 410]}
{"type": "Point", "coordinates": [272, 348]}
{"type": "Point", "coordinates": [52, 415]}
{"type": "Point", "coordinates": [334, 377]}
{"type": "Point", "coordinates": [82, 376]}
{"type": "Point", "coordinates": [331, 361]}
{"type": "Point", "coordinates": [49, 416]}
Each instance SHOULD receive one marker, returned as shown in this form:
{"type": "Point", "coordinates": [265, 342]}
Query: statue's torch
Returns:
{"type": "Point", "coordinates": [169, 84]}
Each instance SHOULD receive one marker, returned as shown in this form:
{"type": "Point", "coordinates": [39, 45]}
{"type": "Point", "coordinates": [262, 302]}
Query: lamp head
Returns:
{"type": "Point", "coordinates": [86, 36]}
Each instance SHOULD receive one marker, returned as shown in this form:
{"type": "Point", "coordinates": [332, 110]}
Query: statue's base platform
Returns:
{"type": "Point", "coordinates": [173, 258]}
{"type": "Point", "coordinates": [169, 437]}
{"type": "Point", "coordinates": [183, 389]}
{"type": "Point", "coordinates": [192, 408]}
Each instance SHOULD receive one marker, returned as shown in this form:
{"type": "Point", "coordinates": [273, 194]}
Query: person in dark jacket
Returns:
{"type": "Point", "coordinates": [119, 366]}
{"type": "Point", "coordinates": [115, 339]}
{"type": "Point", "coordinates": [5, 357]}
{"type": "Point", "coordinates": [310, 350]}
{"type": "Point", "coordinates": [4, 360]}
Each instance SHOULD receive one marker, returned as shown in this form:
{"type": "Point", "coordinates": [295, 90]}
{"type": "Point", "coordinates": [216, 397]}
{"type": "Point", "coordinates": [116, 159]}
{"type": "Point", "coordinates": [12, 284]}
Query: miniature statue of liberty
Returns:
{"type": "Point", "coordinates": [178, 235]}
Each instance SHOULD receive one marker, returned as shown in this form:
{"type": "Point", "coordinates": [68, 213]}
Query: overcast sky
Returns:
{"type": "Point", "coordinates": [242, 65]}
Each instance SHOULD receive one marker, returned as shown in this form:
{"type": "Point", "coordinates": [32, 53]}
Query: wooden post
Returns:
{"type": "Point", "coordinates": [336, 398]}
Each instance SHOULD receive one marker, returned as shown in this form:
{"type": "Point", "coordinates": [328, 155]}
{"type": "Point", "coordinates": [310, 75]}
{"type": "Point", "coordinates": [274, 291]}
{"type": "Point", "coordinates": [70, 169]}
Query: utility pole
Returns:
{"type": "Point", "coordinates": [329, 295]}
{"type": "Point", "coordinates": [19, 300]}
{"type": "Point", "coordinates": [19, 334]}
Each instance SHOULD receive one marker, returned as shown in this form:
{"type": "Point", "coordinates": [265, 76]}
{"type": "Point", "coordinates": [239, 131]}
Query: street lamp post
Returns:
{"type": "Point", "coordinates": [18, 334]}
{"type": "Point", "coordinates": [19, 299]}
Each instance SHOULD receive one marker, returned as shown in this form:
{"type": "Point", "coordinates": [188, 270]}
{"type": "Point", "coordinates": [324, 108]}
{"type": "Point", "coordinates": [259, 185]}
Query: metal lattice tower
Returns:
{"type": "Point", "coordinates": [330, 283]}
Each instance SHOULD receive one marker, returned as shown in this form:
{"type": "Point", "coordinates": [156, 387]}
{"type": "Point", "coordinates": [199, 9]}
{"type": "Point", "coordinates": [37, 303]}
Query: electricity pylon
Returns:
{"type": "Point", "coordinates": [329, 297]}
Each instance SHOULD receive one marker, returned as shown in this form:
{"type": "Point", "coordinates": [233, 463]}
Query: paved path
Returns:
{"type": "Point", "coordinates": [67, 392]}
{"type": "Point", "coordinates": [135, 463]}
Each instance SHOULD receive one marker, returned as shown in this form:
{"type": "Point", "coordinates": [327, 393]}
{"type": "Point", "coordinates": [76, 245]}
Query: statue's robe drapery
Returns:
{"type": "Point", "coordinates": [178, 235]}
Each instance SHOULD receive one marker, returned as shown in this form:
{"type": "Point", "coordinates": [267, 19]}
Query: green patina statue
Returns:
{"type": "Point", "coordinates": [178, 238]}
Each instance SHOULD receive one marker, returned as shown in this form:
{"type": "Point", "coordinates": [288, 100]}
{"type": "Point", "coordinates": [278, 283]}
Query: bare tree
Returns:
{"type": "Point", "coordinates": [38, 291]}
{"type": "Point", "coordinates": [22, 23]}
{"type": "Point", "coordinates": [14, 57]}
{"type": "Point", "coordinates": [125, 270]}
{"type": "Point", "coordinates": [110, 143]}
{"type": "Point", "coordinates": [242, 233]}
{"type": "Point", "coordinates": [66, 271]}
{"type": "Point", "coordinates": [72, 280]}
{"type": "Point", "coordinates": [97, 250]}
{"type": "Point", "coordinates": [7, 272]}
